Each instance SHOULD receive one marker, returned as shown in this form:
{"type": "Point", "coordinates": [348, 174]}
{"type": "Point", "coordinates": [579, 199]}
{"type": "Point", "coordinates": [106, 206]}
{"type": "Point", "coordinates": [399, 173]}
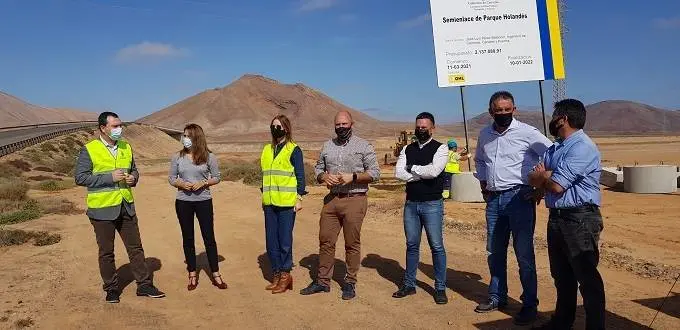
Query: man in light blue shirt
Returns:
{"type": "Point", "coordinates": [507, 151]}
{"type": "Point", "coordinates": [570, 175]}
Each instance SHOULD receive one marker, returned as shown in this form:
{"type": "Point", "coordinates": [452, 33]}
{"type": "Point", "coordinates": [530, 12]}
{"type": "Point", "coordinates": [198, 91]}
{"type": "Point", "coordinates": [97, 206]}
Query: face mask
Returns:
{"type": "Point", "coordinates": [186, 142]}
{"type": "Point", "coordinates": [502, 119]}
{"type": "Point", "coordinates": [116, 133]}
{"type": "Point", "coordinates": [423, 135]}
{"type": "Point", "coordinates": [277, 132]}
{"type": "Point", "coordinates": [554, 128]}
{"type": "Point", "coordinates": [343, 133]}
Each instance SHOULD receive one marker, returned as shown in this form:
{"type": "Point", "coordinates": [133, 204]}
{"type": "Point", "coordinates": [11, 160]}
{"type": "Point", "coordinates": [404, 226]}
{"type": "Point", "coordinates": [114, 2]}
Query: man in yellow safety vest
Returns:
{"type": "Point", "coordinates": [452, 166]}
{"type": "Point", "coordinates": [107, 168]}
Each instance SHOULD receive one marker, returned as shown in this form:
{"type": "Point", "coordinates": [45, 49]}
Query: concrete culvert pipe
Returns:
{"type": "Point", "coordinates": [650, 179]}
{"type": "Point", "coordinates": [465, 188]}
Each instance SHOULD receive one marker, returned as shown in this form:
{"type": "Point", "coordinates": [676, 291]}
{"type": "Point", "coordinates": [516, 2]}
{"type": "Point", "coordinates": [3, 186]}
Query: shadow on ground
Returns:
{"type": "Point", "coordinates": [613, 321]}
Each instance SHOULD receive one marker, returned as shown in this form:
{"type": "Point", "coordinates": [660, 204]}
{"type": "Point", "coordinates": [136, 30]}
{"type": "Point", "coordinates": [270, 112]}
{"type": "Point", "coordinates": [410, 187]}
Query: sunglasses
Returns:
{"type": "Point", "coordinates": [277, 127]}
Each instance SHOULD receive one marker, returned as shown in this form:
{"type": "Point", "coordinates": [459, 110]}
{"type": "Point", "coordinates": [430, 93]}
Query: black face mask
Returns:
{"type": "Point", "coordinates": [554, 128]}
{"type": "Point", "coordinates": [502, 119]}
{"type": "Point", "coordinates": [277, 131]}
{"type": "Point", "coordinates": [343, 133]}
{"type": "Point", "coordinates": [422, 135]}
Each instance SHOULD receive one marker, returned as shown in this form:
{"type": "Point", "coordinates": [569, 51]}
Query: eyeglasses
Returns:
{"type": "Point", "coordinates": [277, 127]}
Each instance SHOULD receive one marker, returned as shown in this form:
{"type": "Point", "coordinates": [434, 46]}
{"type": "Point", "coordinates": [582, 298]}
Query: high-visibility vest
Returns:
{"type": "Point", "coordinates": [103, 162]}
{"type": "Point", "coordinates": [279, 184]}
{"type": "Point", "coordinates": [452, 166]}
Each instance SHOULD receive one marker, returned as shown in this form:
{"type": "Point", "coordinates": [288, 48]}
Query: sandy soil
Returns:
{"type": "Point", "coordinates": [58, 286]}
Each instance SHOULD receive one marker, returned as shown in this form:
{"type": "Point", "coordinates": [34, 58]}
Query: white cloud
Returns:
{"type": "Point", "coordinates": [149, 51]}
{"type": "Point", "coordinates": [313, 5]}
{"type": "Point", "coordinates": [667, 23]}
{"type": "Point", "coordinates": [415, 21]}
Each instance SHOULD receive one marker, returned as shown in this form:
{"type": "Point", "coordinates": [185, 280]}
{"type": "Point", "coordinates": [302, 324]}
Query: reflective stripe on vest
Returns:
{"type": "Point", "coordinates": [279, 184]}
{"type": "Point", "coordinates": [452, 166]}
{"type": "Point", "coordinates": [103, 162]}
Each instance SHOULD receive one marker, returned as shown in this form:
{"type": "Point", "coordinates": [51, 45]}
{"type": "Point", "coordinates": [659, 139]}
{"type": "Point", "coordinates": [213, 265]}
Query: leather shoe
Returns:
{"type": "Point", "coordinates": [490, 306]}
{"type": "Point", "coordinates": [314, 288]}
{"type": "Point", "coordinates": [404, 291]}
{"type": "Point", "coordinates": [440, 297]}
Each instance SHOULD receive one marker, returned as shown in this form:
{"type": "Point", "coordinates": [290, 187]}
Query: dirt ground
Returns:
{"type": "Point", "coordinates": [59, 287]}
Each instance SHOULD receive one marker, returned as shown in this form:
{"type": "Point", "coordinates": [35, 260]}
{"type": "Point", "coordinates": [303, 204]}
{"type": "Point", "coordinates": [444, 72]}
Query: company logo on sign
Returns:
{"type": "Point", "coordinates": [456, 78]}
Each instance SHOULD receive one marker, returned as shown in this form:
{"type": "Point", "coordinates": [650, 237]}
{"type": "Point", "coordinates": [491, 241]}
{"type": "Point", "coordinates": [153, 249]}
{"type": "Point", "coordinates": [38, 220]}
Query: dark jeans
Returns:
{"type": "Point", "coordinates": [573, 237]}
{"type": "Point", "coordinates": [105, 231]}
{"type": "Point", "coordinates": [509, 212]}
{"type": "Point", "coordinates": [278, 227]}
{"type": "Point", "coordinates": [428, 215]}
{"type": "Point", "coordinates": [204, 212]}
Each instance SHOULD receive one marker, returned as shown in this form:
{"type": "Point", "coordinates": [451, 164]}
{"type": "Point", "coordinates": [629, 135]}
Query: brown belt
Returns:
{"type": "Point", "coordinates": [344, 195]}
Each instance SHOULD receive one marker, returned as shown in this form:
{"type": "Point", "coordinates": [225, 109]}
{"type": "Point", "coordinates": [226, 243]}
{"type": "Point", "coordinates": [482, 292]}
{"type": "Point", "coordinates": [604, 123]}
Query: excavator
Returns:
{"type": "Point", "coordinates": [405, 137]}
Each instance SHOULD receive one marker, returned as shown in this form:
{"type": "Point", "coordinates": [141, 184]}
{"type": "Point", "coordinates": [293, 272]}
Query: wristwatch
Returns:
{"type": "Point", "coordinates": [299, 198]}
{"type": "Point", "coordinates": [354, 177]}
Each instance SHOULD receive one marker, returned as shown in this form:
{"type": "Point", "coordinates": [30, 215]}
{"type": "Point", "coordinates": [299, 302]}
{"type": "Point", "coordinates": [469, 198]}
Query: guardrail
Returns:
{"type": "Point", "coordinates": [19, 145]}
{"type": "Point", "coordinates": [48, 124]}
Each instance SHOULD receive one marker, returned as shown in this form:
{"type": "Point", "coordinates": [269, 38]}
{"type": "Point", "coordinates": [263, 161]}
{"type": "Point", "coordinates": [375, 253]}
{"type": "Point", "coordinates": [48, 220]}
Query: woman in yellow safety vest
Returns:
{"type": "Point", "coordinates": [283, 185]}
{"type": "Point", "coordinates": [452, 166]}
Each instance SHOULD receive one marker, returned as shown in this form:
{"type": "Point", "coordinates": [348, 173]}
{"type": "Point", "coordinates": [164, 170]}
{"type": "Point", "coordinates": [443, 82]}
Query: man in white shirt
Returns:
{"type": "Point", "coordinates": [507, 150]}
{"type": "Point", "coordinates": [421, 164]}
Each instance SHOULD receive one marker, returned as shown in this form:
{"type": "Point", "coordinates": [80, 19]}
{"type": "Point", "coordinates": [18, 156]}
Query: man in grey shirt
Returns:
{"type": "Point", "coordinates": [347, 164]}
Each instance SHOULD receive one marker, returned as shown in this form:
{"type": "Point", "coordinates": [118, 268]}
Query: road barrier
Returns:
{"type": "Point", "coordinates": [6, 149]}
{"type": "Point", "coordinates": [25, 143]}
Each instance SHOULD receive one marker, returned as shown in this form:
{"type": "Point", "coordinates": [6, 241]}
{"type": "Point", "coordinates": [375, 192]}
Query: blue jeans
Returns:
{"type": "Point", "coordinates": [278, 226]}
{"type": "Point", "coordinates": [510, 212]}
{"type": "Point", "coordinates": [431, 216]}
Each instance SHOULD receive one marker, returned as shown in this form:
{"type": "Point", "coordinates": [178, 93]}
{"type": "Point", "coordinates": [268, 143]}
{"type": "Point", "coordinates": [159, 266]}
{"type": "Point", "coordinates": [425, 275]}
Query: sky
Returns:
{"type": "Point", "coordinates": [136, 57]}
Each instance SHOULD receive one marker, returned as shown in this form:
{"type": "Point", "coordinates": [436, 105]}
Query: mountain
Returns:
{"type": "Point", "coordinates": [16, 112]}
{"type": "Point", "coordinates": [626, 117]}
{"type": "Point", "coordinates": [243, 110]}
{"type": "Point", "coordinates": [613, 117]}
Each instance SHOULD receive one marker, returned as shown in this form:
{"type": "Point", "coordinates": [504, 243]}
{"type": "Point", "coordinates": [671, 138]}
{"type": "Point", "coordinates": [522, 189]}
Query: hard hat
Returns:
{"type": "Point", "coordinates": [452, 143]}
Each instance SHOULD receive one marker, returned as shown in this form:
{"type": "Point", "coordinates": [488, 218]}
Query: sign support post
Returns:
{"type": "Point", "coordinates": [540, 91]}
{"type": "Point", "coordinates": [467, 144]}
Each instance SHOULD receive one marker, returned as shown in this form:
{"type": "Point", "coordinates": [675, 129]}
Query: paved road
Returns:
{"type": "Point", "coordinates": [16, 135]}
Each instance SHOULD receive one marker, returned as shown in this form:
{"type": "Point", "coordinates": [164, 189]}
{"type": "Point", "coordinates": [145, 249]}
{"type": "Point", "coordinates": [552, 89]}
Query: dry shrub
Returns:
{"type": "Point", "coordinates": [55, 185]}
{"type": "Point", "coordinates": [21, 165]}
{"type": "Point", "coordinates": [249, 172]}
{"type": "Point", "coordinates": [48, 147]}
{"type": "Point", "coordinates": [13, 189]}
{"type": "Point", "coordinates": [24, 323]}
{"type": "Point", "coordinates": [10, 206]}
{"type": "Point", "coordinates": [8, 170]}
{"type": "Point", "coordinates": [40, 178]}
{"type": "Point", "coordinates": [58, 206]}
{"type": "Point", "coordinates": [29, 211]}
{"type": "Point", "coordinates": [10, 237]}
{"type": "Point", "coordinates": [34, 156]}
{"type": "Point", "coordinates": [64, 165]}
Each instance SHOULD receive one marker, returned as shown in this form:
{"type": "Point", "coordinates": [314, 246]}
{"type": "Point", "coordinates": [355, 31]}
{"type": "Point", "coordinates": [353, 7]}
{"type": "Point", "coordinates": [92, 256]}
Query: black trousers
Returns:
{"type": "Point", "coordinates": [204, 212]}
{"type": "Point", "coordinates": [128, 229]}
{"type": "Point", "coordinates": [573, 236]}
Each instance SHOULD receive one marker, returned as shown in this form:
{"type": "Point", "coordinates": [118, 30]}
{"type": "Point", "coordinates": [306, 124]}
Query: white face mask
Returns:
{"type": "Point", "coordinates": [116, 133]}
{"type": "Point", "coordinates": [186, 142]}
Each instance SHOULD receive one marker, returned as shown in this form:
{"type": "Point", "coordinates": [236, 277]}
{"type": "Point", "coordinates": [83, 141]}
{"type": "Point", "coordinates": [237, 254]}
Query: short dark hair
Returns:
{"type": "Point", "coordinates": [104, 117]}
{"type": "Point", "coordinates": [500, 95]}
{"type": "Point", "coordinates": [574, 110]}
{"type": "Point", "coordinates": [425, 115]}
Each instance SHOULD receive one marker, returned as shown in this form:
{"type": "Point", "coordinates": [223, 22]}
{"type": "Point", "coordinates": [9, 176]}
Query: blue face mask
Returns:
{"type": "Point", "coordinates": [186, 142]}
{"type": "Point", "coordinates": [116, 133]}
